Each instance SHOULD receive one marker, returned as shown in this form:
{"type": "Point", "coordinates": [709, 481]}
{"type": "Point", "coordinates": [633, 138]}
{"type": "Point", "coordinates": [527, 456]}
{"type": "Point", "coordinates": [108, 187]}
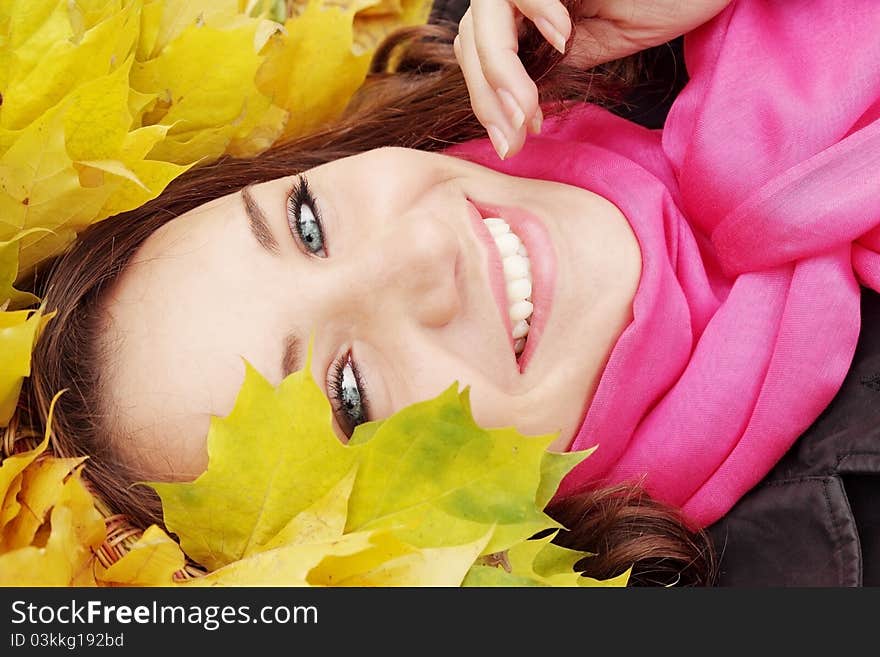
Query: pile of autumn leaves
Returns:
{"type": "Point", "coordinates": [104, 102]}
{"type": "Point", "coordinates": [423, 498]}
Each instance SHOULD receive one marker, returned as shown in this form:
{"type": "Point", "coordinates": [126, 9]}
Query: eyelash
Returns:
{"type": "Point", "coordinates": [301, 195]}
{"type": "Point", "coordinates": [335, 386]}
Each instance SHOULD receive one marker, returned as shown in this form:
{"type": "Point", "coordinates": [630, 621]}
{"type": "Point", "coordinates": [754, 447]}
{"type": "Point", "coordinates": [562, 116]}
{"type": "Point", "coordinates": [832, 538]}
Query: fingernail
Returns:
{"type": "Point", "coordinates": [535, 123]}
{"type": "Point", "coordinates": [498, 141]}
{"type": "Point", "coordinates": [517, 116]}
{"type": "Point", "coordinates": [553, 35]}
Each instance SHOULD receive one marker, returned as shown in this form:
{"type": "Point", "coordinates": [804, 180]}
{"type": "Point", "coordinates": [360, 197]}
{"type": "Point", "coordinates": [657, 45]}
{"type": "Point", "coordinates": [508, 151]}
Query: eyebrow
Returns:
{"type": "Point", "coordinates": [291, 351]}
{"type": "Point", "coordinates": [291, 360]}
{"type": "Point", "coordinates": [258, 223]}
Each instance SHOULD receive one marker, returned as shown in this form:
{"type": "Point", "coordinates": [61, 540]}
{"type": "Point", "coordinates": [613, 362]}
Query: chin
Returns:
{"type": "Point", "coordinates": [561, 443]}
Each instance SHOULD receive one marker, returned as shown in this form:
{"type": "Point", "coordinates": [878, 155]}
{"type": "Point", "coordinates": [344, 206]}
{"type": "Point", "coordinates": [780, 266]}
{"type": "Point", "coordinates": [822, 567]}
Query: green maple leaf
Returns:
{"type": "Point", "coordinates": [414, 499]}
{"type": "Point", "coordinates": [537, 562]}
{"type": "Point", "coordinates": [271, 458]}
{"type": "Point", "coordinates": [433, 472]}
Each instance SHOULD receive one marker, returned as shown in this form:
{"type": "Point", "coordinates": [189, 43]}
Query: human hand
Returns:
{"type": "Point", "coordinates": [503, 96]}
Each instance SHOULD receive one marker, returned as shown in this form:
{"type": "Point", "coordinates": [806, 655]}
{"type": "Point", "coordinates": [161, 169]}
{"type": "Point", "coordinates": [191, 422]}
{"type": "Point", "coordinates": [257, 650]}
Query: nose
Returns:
{"type": "Point", "coordinates": [411, 265]}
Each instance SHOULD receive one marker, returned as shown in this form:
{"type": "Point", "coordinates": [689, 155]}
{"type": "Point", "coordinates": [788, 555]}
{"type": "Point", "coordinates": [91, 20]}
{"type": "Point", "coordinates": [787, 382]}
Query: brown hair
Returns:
{"type": "Point", "coordinates": [414, 73]}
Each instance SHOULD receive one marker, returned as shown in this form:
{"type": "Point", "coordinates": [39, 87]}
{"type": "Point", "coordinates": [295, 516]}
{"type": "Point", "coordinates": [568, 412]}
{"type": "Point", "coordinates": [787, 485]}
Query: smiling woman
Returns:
{"type": "Point", "coordinates": [385, 257]}
{"type": "Point", "coordinates": [662, 294]}
{"type": "Point", "coordinates": [410, 267]}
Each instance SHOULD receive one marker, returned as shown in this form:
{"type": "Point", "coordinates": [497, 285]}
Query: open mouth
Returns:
{"type": "Point", "coordinates": [522, 272]}
{"type": "Point", "coordinates": [517, 271]}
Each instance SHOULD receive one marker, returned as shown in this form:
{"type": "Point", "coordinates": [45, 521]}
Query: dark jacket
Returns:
{"type": "Point", "coordinates": [815, 519]}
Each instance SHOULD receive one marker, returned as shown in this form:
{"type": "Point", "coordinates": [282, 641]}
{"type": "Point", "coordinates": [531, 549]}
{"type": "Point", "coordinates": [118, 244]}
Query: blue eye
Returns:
{"type": "Point", "coordinates": [348, 394]}
{"type": "Point", "coordinates": [304, 219]}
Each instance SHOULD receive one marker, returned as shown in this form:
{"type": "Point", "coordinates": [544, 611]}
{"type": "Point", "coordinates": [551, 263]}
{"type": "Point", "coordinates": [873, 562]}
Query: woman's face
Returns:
{"type": "Point", "coordinates": [392, 260]}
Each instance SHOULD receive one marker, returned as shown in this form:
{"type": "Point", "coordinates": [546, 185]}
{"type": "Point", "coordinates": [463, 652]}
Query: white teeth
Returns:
{"type": "Point", "coordinates": [517, 273]}
{"type": "Point", "coordinates": [515, 266]}
{"type": "Point", "coordinates": [521, 288]}
{"type": "Point", "coordinates": [508, 244]}
{"type": "Point", "coordinates": [520, 310]}
{"type": "Point", "coordinates": [496, 226]}
{"type": "Point", "coordinates": [520, 329]}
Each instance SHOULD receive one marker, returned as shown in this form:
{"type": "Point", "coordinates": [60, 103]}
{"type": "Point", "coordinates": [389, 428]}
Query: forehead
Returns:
{"type": "Point", "coordinates": [180, 319]}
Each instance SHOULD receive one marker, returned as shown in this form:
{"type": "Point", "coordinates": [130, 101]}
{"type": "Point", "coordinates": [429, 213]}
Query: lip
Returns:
{"type": "Point", "coordinates": [496, 269]}
{"type": "Point", "coordinates": [542, 257]}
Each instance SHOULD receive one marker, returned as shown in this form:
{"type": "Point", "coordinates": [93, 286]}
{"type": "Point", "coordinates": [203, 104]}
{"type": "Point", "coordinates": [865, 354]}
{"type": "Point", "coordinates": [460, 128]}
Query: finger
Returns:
{"type": "Point", "coordinates": [496, 41]}
{"type": "Point", "coordinates": [484, 101]}
{"type": "Point", "coordinates": [551, 18]}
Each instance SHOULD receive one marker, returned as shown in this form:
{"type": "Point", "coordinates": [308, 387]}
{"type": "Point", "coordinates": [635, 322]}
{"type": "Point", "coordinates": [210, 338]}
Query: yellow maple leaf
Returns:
{"type": "Point", "coordinates": [313, 53]}
{"type": "Point", "coordinates": [10, 479]}
{"type": "Point", "coordinates": [163, 21]}
{"type": "Point", "coordinates": [153, 560]}
{"type": "Point", "coordinates": [67, 557]}
{"type": "Point", "coordinates": [207, 102]}
{"type": "Point", "coordinates": [377, 21]}
{"type": "Point", "coordinates": [53, 60]}
{"type": "Point", "coordinates": [19, 331]}
{"type": "Point", "coordinates": [65, 171]}
{"type": "Point", "coordinates": [376, 558]}
{"type": "Point", "coordinates": [411, 500]}
{"type": "Point", "coordinates": [438, 566]}
{"type": "Point", "coordinates": [41, 486]}
{"type": "Point", "coordinates": [50, 531]}
{"type": "Point", "coordinates": [322, 521]}
{"type": "Point", "coordinates": [538, 562]}
{"type": "Point", "coordinates": [9, 296]}
{"type": "Point", "coordinates": [259, 479]}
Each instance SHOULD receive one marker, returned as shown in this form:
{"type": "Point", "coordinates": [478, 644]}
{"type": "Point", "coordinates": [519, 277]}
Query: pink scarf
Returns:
{"type": "Point", "coordinates": [757, 210]}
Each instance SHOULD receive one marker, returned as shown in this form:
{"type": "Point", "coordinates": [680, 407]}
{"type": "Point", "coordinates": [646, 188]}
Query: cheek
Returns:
{"type": "Point", "coordinates": [490, 407]}
{"type": "Point", "coordinates": [174, 452]}
{"type": "Point", "coordinates": [191, 452]}
{"type": "Point", "coordinates": [523, 413]}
